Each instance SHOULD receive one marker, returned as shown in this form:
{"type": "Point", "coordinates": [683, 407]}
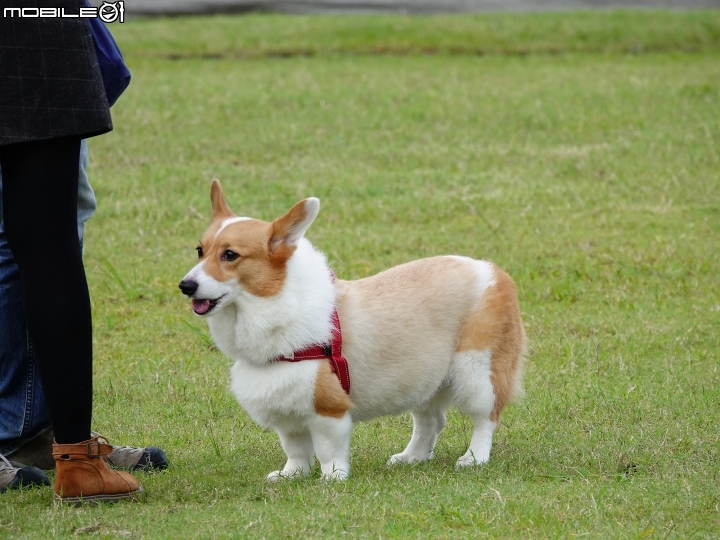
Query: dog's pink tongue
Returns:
{"type": "Point", "coordinates": [200, 306]}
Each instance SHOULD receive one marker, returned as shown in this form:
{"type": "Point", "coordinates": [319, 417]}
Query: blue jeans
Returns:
{"type": "Point", "coordinates": [23, 411]}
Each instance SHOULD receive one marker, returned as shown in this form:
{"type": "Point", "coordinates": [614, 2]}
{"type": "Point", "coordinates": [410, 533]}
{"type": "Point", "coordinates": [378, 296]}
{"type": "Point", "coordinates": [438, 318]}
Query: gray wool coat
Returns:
{"type": "Point", "coordinates": [50, 82]}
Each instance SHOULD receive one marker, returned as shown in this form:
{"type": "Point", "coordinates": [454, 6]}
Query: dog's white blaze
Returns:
{"type": "Point", "coordinates": [230, 221]}
{"type": "Point", "coordinates": [194, 273]}
{"type": "Point", "coordinates": [208, 287]}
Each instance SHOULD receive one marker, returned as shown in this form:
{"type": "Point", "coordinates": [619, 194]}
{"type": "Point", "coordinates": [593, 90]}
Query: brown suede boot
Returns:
{"type": "Point", "coordinates": [38, 452]}
{"type": "Point", "coordinates": [84, 477]}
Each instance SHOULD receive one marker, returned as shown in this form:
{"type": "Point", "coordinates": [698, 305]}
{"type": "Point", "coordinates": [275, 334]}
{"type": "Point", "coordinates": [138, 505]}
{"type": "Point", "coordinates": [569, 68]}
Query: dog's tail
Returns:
{"type": "Point", "coordinates": [518, 391]}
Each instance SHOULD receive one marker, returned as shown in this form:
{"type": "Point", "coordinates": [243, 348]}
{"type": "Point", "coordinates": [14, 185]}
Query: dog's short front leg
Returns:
{"type": "Point", "coordinates": [331, 437]}
{"type": "Point", "coordinates": [299, 450]}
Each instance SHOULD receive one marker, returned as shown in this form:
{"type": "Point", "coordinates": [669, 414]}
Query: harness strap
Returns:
{"type": "Point", "coordinates": [338, 362]}
{"type": "Point", "coordinates": [332, 352]}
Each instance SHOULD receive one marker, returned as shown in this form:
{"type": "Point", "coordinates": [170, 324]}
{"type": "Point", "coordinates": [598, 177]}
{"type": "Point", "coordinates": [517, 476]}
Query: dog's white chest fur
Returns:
{"type": "Point", "coordinates": [277, 396]}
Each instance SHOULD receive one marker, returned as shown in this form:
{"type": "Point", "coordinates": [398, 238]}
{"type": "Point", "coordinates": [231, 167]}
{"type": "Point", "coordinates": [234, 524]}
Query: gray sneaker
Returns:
{"type": "Point", "coordinates": [38, 452]}
{"type": "Point", "coordinates": [150, 458]}
{"type": "Point", "coordinates": [16, 475]}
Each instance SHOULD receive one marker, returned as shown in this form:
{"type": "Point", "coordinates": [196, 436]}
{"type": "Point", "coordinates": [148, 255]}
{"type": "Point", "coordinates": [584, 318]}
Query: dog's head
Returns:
{"type": "Point", "coordinates": [240, 255]}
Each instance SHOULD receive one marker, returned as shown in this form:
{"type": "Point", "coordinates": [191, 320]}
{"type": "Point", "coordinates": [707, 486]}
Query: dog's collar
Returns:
{"type": "Point", "coordinates": [332, 351]}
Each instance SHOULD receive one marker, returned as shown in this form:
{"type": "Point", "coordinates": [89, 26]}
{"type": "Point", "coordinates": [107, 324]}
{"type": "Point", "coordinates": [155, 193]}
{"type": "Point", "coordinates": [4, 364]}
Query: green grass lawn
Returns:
{"type": "Point", "coordinates": [579, 151]}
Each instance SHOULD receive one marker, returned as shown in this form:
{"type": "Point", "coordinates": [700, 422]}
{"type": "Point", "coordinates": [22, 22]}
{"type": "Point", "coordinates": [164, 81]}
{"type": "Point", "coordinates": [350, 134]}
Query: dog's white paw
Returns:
{"type": "Point", "coordinates": [470, 460]}
{"type": "Point", "coordinates": [277, 476]}
{"type": "Point", "coordinates": [408, 458]}
{"type": "Point", "coordinates": [338, 475]}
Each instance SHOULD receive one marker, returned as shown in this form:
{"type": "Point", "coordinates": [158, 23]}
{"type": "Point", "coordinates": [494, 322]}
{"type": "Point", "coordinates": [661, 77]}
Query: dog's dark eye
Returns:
{"type": "Point", "coordinates": [229, 255]}
{"type": "Point", "coordinates": [200, 252]}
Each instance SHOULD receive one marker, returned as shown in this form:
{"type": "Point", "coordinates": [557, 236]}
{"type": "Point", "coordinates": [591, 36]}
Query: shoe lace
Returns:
{"type": "Point", "coordinates": [7, 464]}
{"type": "Point", "coordinates": [126, 449]}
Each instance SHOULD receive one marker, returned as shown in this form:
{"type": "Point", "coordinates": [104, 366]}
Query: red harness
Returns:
{"type": "Point", "coordinates": [331, 351]}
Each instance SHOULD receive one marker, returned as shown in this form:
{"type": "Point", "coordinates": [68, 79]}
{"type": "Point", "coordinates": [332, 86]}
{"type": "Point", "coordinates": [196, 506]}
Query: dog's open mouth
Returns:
{"type": "Point", "coordinates": [203, 306]}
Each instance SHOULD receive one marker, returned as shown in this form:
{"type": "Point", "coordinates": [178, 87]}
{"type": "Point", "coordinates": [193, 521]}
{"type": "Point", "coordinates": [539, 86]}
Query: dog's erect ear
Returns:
{"type": "Point", "coordinates": [220, 208]}
{"type": "Point", "coordinates": [287, 230]}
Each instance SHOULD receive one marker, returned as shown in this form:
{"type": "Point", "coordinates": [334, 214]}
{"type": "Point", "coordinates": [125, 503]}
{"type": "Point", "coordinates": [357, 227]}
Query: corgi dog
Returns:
{"type": "Point", "coordinates": [420, 337]}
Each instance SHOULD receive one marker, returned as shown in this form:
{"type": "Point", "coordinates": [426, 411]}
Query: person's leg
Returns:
{"type": "Point", "coordinates": [25, 422]}
{"type": "Point", "coordinates": [14, 351]}
{"type": "Point", "coordinates": [40, 214]}
{"type": "Point", "coordinates": [23, 411]}
{"type": "Point", "coordinates": [22, 400]}
{"type": "Point", "coordinates": [40, 183]}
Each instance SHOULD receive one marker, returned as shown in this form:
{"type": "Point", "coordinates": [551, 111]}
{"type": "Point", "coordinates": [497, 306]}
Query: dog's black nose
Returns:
{"type": "Point", "coordinates": [188, 287]}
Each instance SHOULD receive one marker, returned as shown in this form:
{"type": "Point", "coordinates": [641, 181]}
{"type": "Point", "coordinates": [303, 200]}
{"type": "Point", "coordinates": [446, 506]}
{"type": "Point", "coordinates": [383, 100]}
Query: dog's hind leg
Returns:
{"type": "Point", "coordinates": [474, 395]}
{"type": "Point", "coordinates": [331, 437]}
{"type": "Point", "coordinates": [299, 450]}
{"type": "Point", "coordinates": [428, 422]}
{"type": "Point", "coordinates": [486, 370]}
{"type": "Point", "coordinates": [479, 451]}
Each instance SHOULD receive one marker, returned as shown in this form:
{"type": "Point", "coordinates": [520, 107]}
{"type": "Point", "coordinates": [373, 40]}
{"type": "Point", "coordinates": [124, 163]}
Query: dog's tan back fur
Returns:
{"type": "Point", "coordinates": [412, 318]}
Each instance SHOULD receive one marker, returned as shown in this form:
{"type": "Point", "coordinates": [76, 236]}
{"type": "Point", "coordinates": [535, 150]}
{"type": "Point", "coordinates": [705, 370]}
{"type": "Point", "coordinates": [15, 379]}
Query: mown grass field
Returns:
{"type": "Point", "coordinates": [579, 151]}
